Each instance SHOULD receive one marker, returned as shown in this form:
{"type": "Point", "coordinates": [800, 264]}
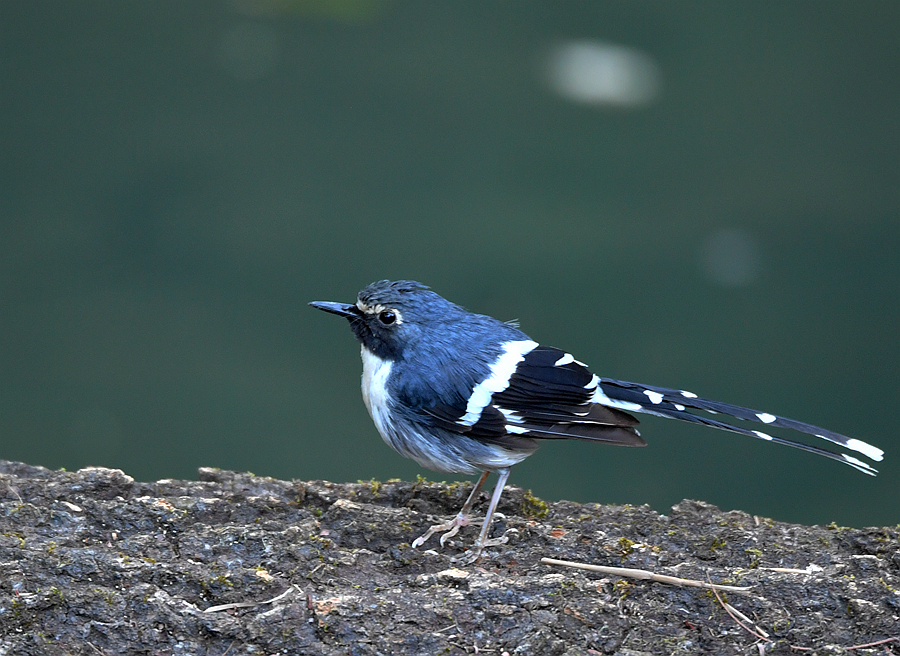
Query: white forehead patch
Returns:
{"type": "Point", "coordinates": [369, 309]}
{"type": "Point", "coordinates": [378, 308]}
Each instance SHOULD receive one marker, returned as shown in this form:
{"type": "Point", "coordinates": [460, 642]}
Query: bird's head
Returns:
{"type": "Point", "coordinates": [390, 316]}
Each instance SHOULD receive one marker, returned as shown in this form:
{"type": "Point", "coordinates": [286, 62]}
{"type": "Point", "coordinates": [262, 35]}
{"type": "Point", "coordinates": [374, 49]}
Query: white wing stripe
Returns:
{"type": "Point", "coordinates": [497, 381]}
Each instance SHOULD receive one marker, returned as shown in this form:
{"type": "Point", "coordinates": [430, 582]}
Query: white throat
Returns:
{"type": "Point", "coordinates": [374, 391]}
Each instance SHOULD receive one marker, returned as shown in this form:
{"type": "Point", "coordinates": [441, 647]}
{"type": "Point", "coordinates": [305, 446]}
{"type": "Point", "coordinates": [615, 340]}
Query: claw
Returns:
{"type": "Point", "coordinates": [496, 542]}
{"type": "Point", "coordinates": [473, 554]}
{"type": "Point", "coordinates": [452, 528]}
{"type": "Point", "coordinates": [469, 557]}
{"type": "Point", "coordinates": [449, 534]}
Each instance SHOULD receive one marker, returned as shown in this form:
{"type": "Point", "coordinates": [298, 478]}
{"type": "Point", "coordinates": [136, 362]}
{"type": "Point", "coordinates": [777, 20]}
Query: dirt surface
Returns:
{"type": "Point", "coordinates": [96, 563]}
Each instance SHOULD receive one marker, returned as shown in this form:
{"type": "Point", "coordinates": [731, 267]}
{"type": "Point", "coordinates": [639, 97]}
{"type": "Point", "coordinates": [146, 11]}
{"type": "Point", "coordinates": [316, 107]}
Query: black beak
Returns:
{"type": "Point", "coordinates": [340, 309]}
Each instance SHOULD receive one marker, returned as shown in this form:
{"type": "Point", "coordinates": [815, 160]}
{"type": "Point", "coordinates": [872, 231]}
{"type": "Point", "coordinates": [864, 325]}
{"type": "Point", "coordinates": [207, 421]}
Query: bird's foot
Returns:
{"type": "Point", "coordinates": [473, 554]}
{"type": "Point", "coordinates": [452, 528]}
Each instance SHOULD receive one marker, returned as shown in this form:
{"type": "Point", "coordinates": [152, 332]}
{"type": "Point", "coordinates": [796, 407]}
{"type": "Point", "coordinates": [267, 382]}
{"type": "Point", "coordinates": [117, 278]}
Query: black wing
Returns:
{"type": "Point", "coordinates": [548, 396]}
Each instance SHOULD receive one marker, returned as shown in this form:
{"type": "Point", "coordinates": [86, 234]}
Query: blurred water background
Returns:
{"type": "Point", "coordinates": [694, 194]}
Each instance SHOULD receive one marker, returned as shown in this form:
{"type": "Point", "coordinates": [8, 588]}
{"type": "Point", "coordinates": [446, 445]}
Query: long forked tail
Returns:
{"type": "Point", "coordinates": [673, 404]}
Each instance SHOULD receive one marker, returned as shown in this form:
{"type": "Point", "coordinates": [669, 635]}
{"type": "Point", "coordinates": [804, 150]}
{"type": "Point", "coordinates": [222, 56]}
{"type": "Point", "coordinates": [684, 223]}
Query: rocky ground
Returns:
{"type": "Point", "coordinates": [92, 563]}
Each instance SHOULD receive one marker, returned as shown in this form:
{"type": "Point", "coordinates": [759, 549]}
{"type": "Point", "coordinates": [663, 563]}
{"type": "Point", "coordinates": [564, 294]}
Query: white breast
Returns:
{"type": "Point", "coordinates": [432, 448]}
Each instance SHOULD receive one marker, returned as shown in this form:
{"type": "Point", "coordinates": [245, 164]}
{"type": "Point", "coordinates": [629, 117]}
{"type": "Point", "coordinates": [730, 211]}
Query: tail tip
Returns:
{"type": "Point", "coordinates": [859, 465]}
{"type": "Point", "coordinates": [872, 452]}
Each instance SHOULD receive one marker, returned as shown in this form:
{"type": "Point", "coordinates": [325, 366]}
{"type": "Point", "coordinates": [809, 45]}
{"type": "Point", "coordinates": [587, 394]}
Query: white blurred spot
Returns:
{"type": "Point", "coordinates": [731, 258]}
{"type": "Point", "coordinates": [598, 73]}
{"type": "Point", "coordinates": [249, 51]}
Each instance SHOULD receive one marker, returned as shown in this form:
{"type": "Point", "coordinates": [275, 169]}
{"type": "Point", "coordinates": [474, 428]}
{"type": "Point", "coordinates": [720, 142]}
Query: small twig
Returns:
{"type": "Point", "coordinates": [96, 648]}
{"type": "Point", "coordinates": [739, 614]}
{"type": "Point", "coordinates": [21, 503]}
{"type": "Point", "coordinates": [788, 570]}
{"type": "Point", "coordinates": [874, 644]}
{"type": "Point", "coordinates": [643, 574]}
{"type": "Point", "coordinates": [733, 612]}
{"type": "Point", "coordinates": [868, 644]}
{"type": "Point", "coordinates": [476, 649]}
{"type": "Point", "coordinates": [316, 569]}
{"type": "Point", "coordinates": [251, 604]}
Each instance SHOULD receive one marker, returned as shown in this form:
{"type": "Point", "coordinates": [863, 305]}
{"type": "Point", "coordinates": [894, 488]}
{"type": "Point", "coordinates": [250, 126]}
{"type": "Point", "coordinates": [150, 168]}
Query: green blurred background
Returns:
{"type": "Point", "coordinates": [693, 194]}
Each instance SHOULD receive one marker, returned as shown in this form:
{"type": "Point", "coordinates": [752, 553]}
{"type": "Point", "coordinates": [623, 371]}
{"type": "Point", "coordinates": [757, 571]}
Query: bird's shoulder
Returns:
{"type": "Point", "coordinates": [446, 365]}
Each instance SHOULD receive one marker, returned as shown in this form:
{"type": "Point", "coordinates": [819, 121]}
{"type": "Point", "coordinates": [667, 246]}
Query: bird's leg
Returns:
{"type": "Point", "coordinates": [475, 552]}
{"type": "Point", "coordinates": [462, 518]}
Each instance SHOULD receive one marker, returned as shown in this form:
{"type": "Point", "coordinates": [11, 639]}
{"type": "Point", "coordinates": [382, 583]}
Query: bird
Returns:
{"type": "Point", "coordinates": [465, 393]}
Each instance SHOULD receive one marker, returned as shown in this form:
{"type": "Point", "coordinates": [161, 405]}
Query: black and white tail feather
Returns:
{"type": "Point", "coordinates": [673, 404]}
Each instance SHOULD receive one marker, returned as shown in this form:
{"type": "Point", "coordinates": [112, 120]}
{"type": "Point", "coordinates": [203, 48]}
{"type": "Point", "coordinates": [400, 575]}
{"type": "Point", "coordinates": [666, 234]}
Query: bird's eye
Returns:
{"type": "Point", "coordinates": [387, 317]}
